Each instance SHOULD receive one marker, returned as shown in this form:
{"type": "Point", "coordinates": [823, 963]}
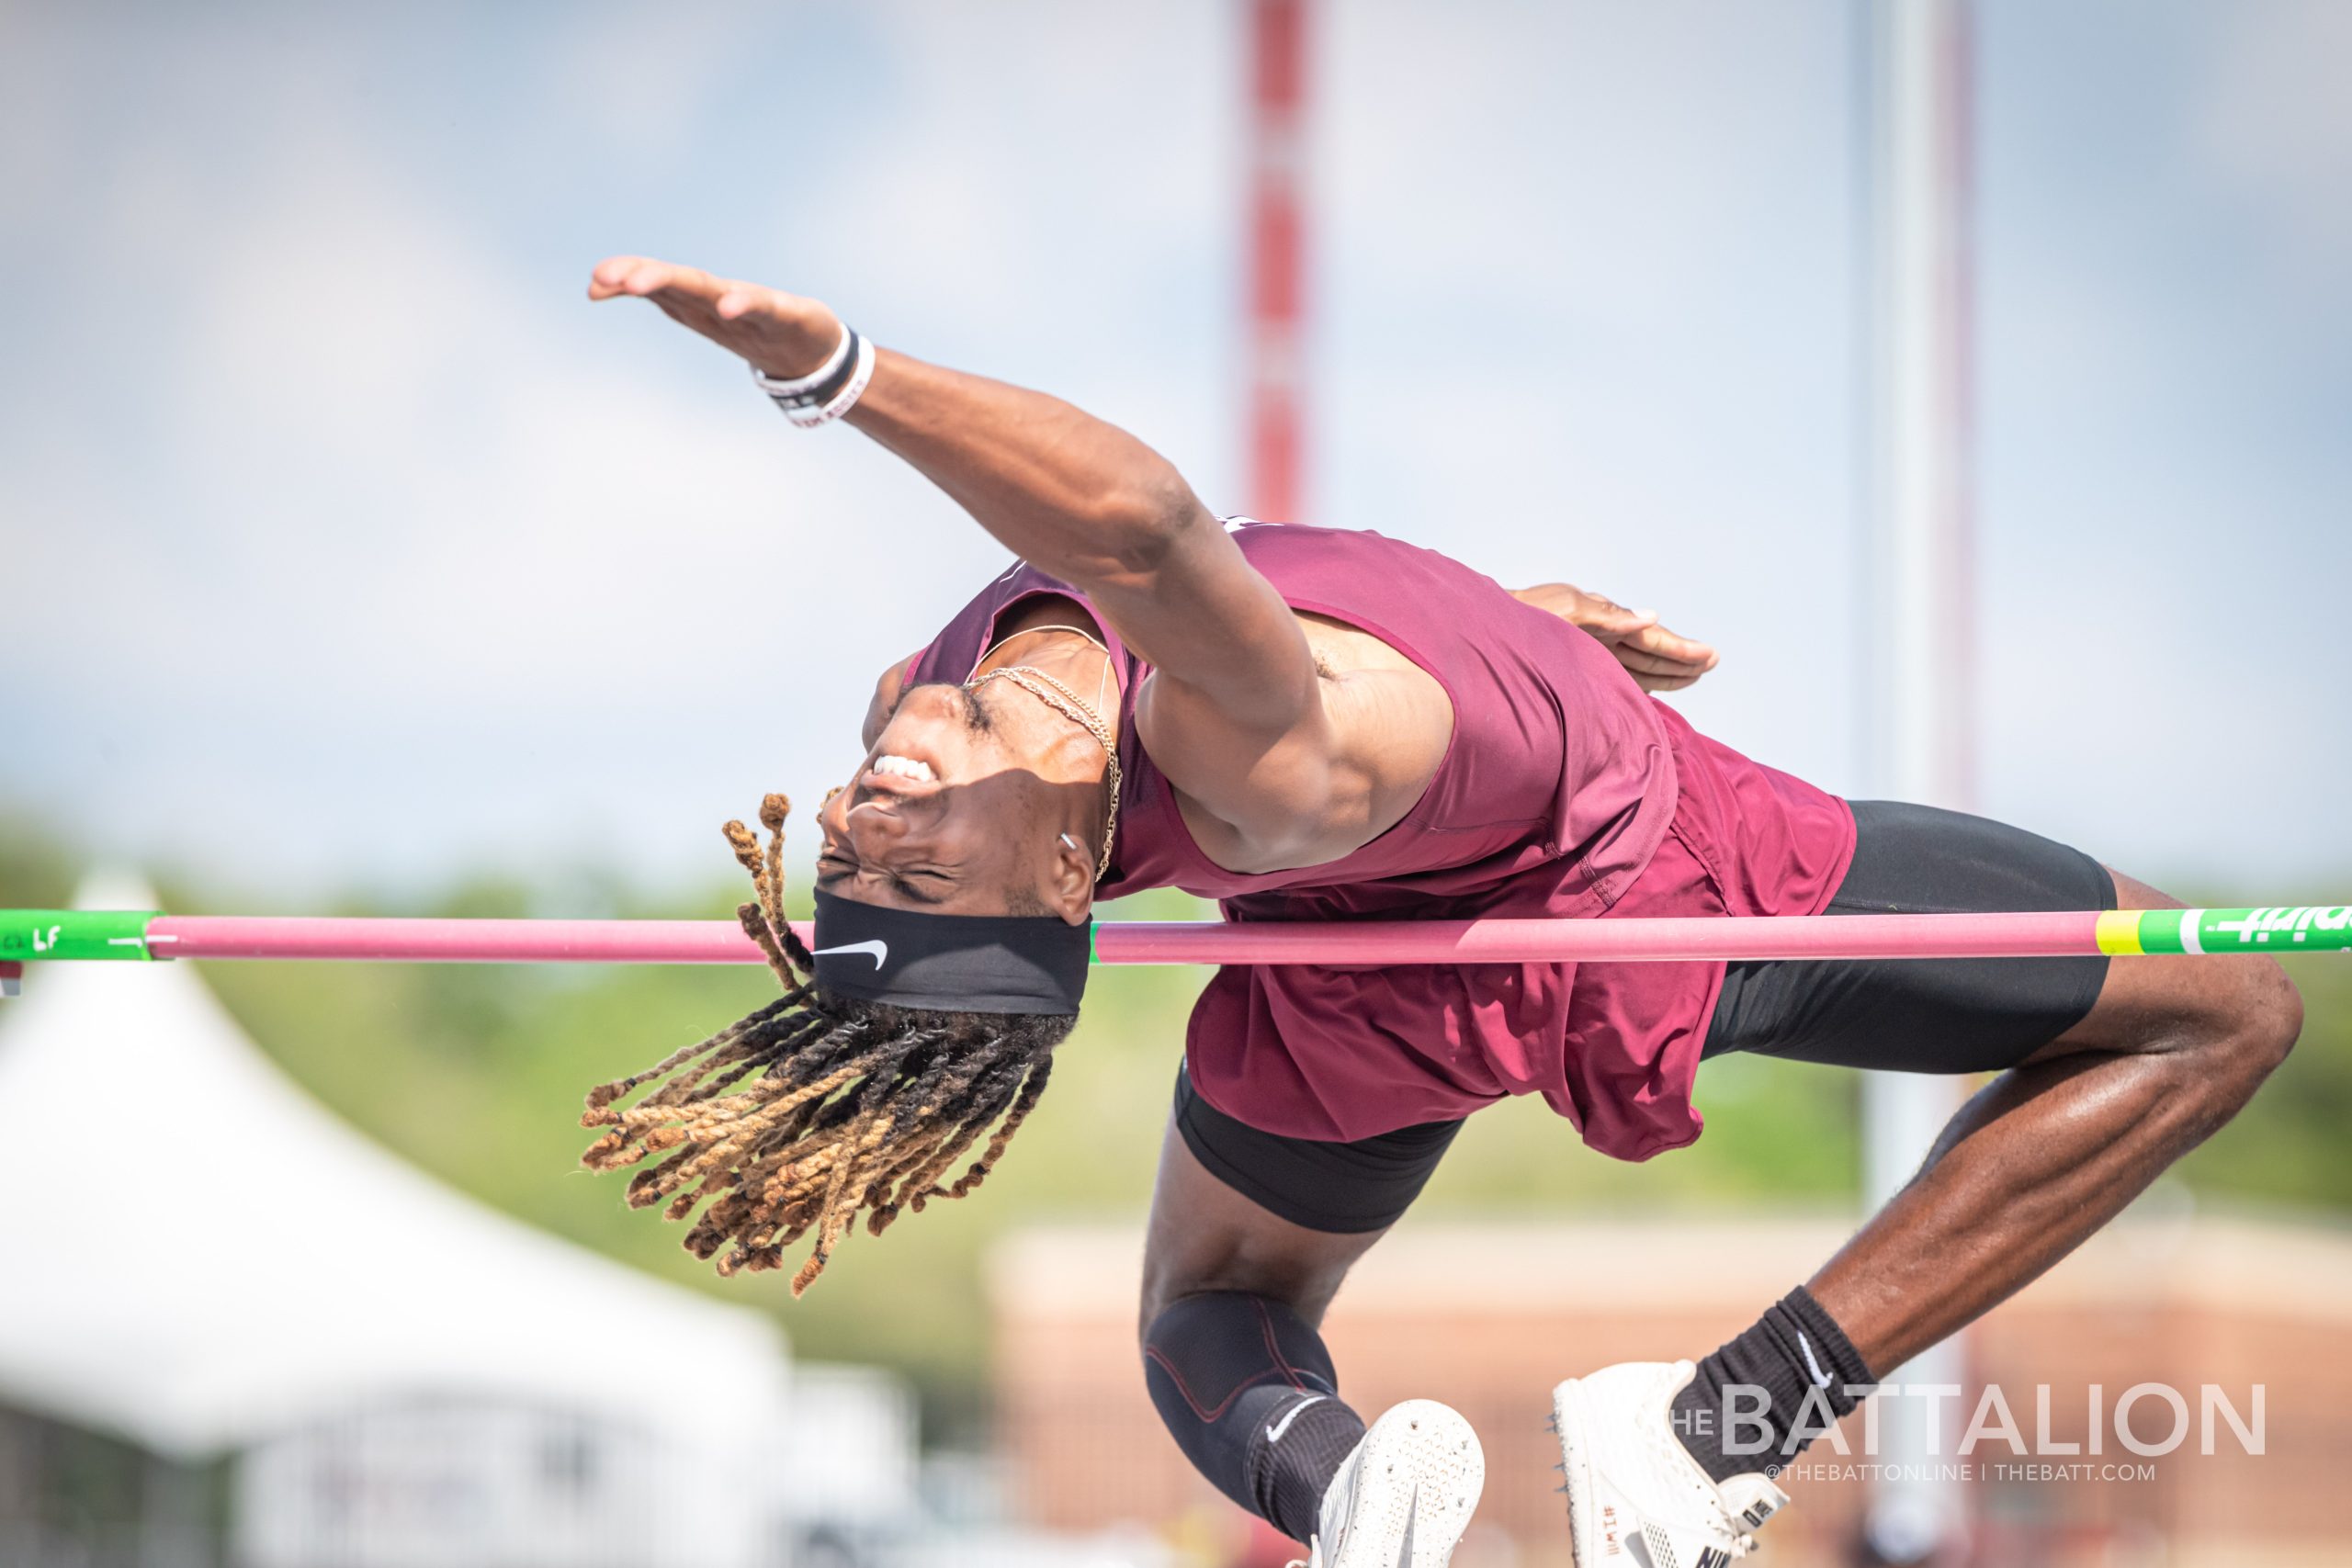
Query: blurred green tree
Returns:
{"type": "Point", "coordinates": [476, 1073]}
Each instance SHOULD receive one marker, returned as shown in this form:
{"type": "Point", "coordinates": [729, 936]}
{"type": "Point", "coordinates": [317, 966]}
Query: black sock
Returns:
{"type": "Point", "coordinates": [1248, 1391]}
{"type": "Point", "coordinates": [1793, 1351]}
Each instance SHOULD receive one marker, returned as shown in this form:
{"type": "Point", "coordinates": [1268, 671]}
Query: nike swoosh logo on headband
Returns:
{"type": "Point", "coordinates": [879, 950]}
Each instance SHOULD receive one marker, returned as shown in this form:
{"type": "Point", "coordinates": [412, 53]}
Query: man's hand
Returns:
{"type": "Point", "coordinates": [1658, 660]}
{"type": "Point", "coordinates": [780, 333]}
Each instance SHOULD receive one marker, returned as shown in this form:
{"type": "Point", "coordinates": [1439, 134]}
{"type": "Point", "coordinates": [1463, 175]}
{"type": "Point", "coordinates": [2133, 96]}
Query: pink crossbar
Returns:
{"type": "Point", "coordinates": [1361, 943]}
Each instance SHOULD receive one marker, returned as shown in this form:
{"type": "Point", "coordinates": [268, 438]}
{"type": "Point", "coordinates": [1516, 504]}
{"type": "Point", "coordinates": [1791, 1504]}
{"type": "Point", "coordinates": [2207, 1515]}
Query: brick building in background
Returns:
{"type": "Point", "coordinates": [1486, 1317]}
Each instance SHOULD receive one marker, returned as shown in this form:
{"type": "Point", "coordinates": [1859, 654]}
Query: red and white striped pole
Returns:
{"type": "Point", "coordinates": [1277, 261]}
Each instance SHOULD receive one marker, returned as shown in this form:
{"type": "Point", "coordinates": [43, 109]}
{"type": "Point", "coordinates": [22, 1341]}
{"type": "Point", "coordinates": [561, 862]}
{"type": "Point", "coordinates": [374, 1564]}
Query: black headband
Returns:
{"type": "Point", "coordinates": [951, 963]}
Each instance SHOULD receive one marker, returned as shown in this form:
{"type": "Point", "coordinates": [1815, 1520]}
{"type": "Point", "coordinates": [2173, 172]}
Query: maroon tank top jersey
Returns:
{"type": "Point", "coordinates": [1565, 792]}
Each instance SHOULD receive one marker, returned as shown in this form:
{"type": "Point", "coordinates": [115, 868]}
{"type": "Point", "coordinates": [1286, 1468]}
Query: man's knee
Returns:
{"type": "Point", "coordinates": [2256, 1019]}
{"type": "Point", "coordinates": [2273, 1016]}
{"type": "Point", "coordinates": [1300, 1270]}
{"type": "Point", "coordinates": [1164, 1287]}
{"type": "Point", "coordinates": [1158, 1297]}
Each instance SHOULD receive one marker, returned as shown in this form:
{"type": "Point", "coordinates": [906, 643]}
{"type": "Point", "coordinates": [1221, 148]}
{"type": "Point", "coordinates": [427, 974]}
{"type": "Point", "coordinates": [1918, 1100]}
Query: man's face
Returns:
{"type": "Point", "coordinates": [954, 809]}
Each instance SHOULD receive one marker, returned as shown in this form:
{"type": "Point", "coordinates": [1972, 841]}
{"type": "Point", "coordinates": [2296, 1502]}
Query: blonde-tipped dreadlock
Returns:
{"type": "Point", "coordinates": [817, 1106]}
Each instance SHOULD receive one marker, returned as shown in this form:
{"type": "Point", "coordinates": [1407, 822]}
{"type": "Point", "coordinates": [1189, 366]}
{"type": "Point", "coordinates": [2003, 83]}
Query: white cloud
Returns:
{"type": "Point", "coordinates": [637, 79]}
{"type": "Point", "coordinates": [389, 486]}
{"type": "Point", "coordinates": [339, 505]}
{"type": "Point", "coordinates": [1585, 271]}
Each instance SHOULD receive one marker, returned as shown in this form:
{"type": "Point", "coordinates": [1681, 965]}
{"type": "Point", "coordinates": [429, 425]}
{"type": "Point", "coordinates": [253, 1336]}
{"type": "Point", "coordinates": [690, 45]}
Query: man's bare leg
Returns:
{"type": "Point", "coordinates": [1232, 1295]}
{"type": "Point", "coordinates": [1205, 1237]}
{"type": "Point", "coordinates": [2051, 1150]}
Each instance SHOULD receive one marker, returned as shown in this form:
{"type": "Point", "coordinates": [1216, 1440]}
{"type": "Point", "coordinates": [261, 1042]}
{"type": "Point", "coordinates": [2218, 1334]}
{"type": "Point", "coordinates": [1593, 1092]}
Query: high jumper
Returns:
{"type": "Point", "coordinates": [1307, 724]}
{"type": "Point", "coordinates": [1312, 725]}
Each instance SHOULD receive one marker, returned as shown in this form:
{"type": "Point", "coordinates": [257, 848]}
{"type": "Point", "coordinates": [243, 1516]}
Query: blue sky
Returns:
{"type": "Point", "coordinates": [341, 540]}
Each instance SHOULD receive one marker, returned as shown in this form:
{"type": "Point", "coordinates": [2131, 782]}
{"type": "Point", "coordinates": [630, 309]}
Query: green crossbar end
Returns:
{"type": "Point", "coordinates": [32, 935]}
{"type": "Point", "coordinates": [2279, 931]}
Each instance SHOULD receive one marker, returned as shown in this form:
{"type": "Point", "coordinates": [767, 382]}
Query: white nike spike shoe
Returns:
{"type": "Point", "coordinates": [1636, 1498]}
{"type": "Point", "coordinates": [1404, 1494]}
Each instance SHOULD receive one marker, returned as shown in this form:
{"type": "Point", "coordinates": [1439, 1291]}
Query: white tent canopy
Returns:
{"type": "Point", "coordinates": [194, 1253]}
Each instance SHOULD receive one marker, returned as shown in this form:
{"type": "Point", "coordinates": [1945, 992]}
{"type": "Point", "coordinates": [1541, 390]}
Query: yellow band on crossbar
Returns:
{"type": "Point", "coordinates": [2118, 931]}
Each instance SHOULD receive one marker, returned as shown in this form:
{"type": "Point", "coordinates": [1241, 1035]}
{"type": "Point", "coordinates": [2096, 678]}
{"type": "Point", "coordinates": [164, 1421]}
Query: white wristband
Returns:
{"type": "Point", "coordinates": [781, 386]}
{"type": "Point", "coordinates": [842, 401]}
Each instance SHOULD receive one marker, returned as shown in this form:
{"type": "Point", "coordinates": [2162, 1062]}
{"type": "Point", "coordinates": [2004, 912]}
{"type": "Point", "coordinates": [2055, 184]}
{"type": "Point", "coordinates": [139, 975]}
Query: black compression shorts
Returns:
{"type": "Point", "coordinates": [1347, 1188]}
{"type": "Point", "coordinates": [1926, 1015]}
{"type": "Point", "coordinates": [1913, 1015]}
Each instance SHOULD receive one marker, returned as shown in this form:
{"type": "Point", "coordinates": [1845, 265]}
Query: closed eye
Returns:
{"type": "Point", "coordinates": [942, 885]}
{"type": "Point", "coordinates": [833, 866]}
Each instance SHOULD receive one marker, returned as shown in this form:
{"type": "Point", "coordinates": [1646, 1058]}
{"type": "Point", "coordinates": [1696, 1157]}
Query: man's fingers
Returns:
{"type": "Point", "coordinates": [1614, 623]}
{"type": "Point", "coordinates": [1643, 664]}
{"type": "Point", "coordinates": [690, 289]}
{"type": "Point", "coordinates": [1681, 659]}
{"type": "Point", "coordinates": [648, 276]}
{"type": "Point", "coordinates": [778, 332]}
{"type": "Point", "coordinates": [738, 300]}
{"type": "Point", "coordinates": [689, 295]}
{"type": "Point", "coordinates": [610, 276]}
{"type": "Point", "coordinates": [635, 275]}
{"type": "Point", "coordinates": [1657, 639]}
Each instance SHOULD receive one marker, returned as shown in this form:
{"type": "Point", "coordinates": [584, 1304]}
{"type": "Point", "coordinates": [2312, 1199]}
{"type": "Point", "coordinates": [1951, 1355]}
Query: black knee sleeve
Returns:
{"type": "Point", "coordinates": [1249, 1393]}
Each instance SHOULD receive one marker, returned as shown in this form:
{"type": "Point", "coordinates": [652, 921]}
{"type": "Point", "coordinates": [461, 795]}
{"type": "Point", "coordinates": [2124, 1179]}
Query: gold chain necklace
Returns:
{"type": "Point", "coordinates": [1070, 705]}
{"type": "Point", "coordinates": [1092, 641]}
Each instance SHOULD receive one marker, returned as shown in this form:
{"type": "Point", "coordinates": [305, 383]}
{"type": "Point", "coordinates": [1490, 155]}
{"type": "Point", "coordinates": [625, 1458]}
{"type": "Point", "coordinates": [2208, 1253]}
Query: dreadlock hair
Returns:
{"type": "Point", "coordinates": [790, 1121]}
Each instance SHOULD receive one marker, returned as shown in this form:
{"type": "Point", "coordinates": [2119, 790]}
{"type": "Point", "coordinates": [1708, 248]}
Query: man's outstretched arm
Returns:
{"type": "Point", "coordinates": [1082, 499]}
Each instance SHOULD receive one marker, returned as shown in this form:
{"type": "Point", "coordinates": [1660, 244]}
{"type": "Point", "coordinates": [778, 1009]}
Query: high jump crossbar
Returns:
{"type": "Point", "coordinates": [49, 934]}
